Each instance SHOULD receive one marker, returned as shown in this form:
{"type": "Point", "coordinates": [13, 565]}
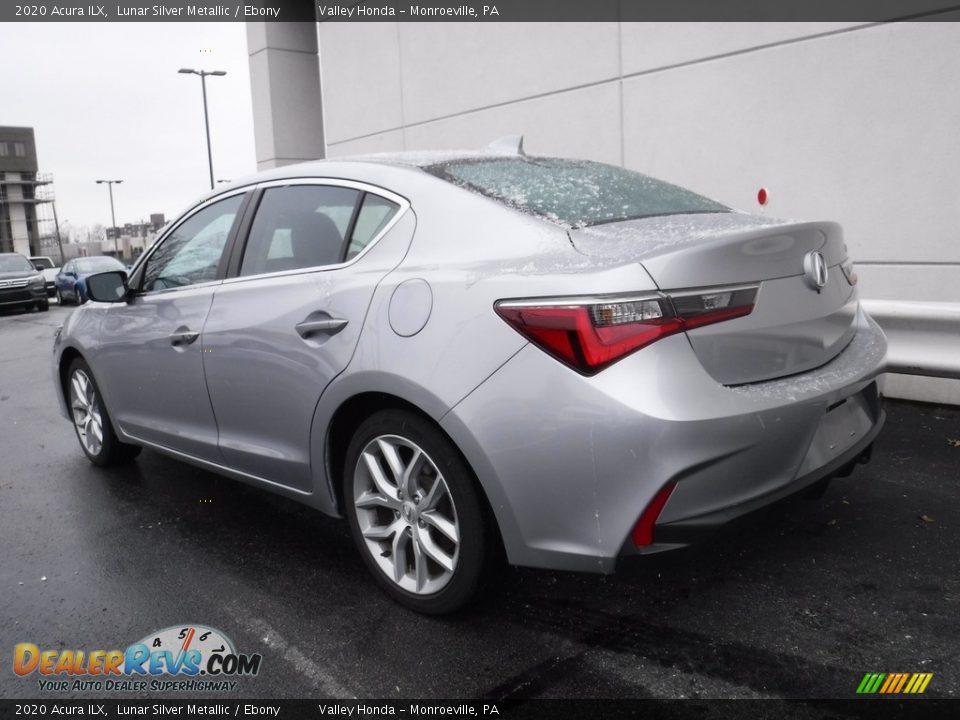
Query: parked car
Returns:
{"type": "Point", "coordinates": [458, 353]}
{"type": "Point", "coordinates": [49, 269]}
{"type": "Point", "coordinates": [71, 282]}
{"type": "Point", "coordinates": [21, 284]}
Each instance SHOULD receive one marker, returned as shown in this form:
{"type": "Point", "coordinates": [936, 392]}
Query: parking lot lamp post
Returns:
{"type": "Point", "coordinates": [113, 219]}
{"type": "Point", "coordinates": [206, 119]}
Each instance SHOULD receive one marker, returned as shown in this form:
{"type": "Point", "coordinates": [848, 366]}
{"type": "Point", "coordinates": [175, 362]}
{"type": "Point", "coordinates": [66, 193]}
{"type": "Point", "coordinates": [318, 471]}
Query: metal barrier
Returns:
{"type": "Point", "coordinates": [923, 337]}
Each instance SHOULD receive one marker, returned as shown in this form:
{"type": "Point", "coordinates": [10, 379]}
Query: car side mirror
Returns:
{"type": "Point", "coordinates": [108, 287]}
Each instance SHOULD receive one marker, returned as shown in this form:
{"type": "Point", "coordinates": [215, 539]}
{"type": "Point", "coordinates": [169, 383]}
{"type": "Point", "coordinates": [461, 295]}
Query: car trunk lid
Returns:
{"type": "Point", "coordinates": [795, 326]}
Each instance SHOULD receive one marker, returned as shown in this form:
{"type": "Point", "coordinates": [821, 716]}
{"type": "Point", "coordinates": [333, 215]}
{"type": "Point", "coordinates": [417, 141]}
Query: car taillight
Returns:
{"type": "Point", "coordinates": [589, 334]}
{"type": "Point", "coordinates": [848, 272]}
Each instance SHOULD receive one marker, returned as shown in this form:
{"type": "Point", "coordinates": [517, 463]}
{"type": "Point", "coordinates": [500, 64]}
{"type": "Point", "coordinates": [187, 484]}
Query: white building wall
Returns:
{"type": "Point", "coordinates": [844, 121]}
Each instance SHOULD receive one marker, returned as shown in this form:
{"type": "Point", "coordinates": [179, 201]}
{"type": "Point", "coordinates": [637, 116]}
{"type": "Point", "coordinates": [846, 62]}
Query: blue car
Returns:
{"type": "Point", "coordinates": [71, 281]}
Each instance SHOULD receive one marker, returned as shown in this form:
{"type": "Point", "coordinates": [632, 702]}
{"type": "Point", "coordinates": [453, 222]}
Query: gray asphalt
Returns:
{"type": "Point", "coordinates": [800, 601]}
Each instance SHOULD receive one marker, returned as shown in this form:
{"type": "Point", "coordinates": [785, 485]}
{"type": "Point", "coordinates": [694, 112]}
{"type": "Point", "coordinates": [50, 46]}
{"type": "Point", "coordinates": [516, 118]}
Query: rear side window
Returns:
{"type": "Point", "coordinates": [299, 226]}
{"type": "Point", "coordinates": [375, 213]}
{"type": "Point", "coordinates": [573, 193]}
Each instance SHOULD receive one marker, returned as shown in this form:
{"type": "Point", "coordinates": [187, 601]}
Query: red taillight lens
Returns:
{"type": "Point", "coordinates": [591, 334]}
{"type": "Point", "coordinates": [643, 531]}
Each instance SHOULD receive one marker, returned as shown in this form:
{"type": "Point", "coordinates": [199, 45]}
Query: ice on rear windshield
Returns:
{"type": "Point", "coordinates": [573, 193]}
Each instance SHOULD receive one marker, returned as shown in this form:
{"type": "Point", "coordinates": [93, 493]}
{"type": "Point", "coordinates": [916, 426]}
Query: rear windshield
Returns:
{"type": "Point", "coordinates": [42, 262]}
{"type": "Point", "coordinates": [14, 263]}
{"type": "Point", "coordinates": [575, 193]}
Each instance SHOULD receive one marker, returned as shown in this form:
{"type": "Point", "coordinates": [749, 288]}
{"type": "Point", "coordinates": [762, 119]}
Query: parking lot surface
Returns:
{"type": "Point", "coordinates": [800, 601]}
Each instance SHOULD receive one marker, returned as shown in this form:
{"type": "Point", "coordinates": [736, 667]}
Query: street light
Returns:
{"type": "Point", "coordinates": [206, 120]}
{"type": "Point", "coordinates": [113, 219]}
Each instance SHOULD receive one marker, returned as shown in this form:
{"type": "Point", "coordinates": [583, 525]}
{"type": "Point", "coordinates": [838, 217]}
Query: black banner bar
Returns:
{"type": "Point", "coordinates": [874, 708]}
{"type": "Point", "coordinates": [483, 11]}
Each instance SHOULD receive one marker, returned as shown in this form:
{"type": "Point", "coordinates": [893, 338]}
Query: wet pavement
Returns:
{"type": "Point", "coordinates": [799, 601]}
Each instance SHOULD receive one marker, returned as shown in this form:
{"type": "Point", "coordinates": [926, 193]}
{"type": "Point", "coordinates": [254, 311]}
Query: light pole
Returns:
{"type": "Point", "coordinates": [206, 119]}
{"type": "Point", "coordinates": [56, 225]}
{"type": "Point", "coordinates": [113, 219]}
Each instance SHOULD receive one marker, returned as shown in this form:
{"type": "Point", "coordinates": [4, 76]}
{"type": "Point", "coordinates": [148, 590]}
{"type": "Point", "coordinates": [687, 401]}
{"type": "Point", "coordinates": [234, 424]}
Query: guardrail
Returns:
{"type": "Point", "coordinates": [923, 337]}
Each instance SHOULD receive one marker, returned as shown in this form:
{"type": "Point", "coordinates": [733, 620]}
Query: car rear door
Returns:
{"type": "Point", "coordinates": [289, 319]}
{"type": "Point", "coordinates": [150, 365]}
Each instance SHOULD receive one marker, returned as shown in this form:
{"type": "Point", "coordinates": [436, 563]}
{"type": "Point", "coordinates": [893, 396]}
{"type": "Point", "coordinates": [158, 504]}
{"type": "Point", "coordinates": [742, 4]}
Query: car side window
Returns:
{"type": "Point", "coordinates": [375, 213]}
{"type": "Point", "coordinates": [298, 226]}
{"type": "Point", "coordinates": [191, 253]}
{"type": "Point", "coordinates": [68, 268]}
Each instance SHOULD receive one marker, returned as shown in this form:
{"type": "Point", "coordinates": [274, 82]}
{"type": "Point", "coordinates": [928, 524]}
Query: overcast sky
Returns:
{"type": "Point", "coordinates": [106, 101]}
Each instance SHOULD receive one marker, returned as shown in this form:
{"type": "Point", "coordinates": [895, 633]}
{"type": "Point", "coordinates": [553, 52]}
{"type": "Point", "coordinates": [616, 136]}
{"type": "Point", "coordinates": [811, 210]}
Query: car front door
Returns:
{"type": "Point", "coordinates": [150, 363]}
{"type": "Point", "coordinates": [289, 321]}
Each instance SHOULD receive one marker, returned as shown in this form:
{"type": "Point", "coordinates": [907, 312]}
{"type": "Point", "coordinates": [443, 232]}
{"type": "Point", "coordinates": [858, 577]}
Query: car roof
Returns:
{"type": "Point", "coordinates": [374, 168]}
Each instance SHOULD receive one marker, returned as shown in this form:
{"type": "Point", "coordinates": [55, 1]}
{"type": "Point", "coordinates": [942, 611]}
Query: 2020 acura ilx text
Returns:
{"type": "Point", "coordinates": [464, 351]}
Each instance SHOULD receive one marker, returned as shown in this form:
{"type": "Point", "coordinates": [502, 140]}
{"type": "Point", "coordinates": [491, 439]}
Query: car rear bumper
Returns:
{"type": "Point", "coordinates": [579, 459]}
{"type": "Point", "coordinates": [696, 529]}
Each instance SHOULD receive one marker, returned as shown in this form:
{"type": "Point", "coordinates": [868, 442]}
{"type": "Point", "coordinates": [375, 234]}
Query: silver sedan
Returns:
{"type": "Point", "coordinates": [475, 354]}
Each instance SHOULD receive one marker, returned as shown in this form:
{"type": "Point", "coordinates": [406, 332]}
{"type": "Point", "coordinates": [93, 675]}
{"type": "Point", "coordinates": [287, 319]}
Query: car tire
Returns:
{"type": "Point", "coordinates": [60, 300]}
{"type": "Point", "coordinates": [91, 421]}
{"type": "Point", "coordinates": [43, 305]}
{"type": "Point", "coordinates": [432, 562]}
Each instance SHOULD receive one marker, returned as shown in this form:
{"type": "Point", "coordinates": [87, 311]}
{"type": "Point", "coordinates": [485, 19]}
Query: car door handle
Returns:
{"type": "Point", "coordinates": [325, 326]}
{"type": "Point", "coordinates": [182, 336]}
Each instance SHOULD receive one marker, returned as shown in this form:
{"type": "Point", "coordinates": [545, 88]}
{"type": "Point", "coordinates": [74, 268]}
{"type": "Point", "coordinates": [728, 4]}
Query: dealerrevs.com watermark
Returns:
{"type": "Point", "coordinates": [186, 658]}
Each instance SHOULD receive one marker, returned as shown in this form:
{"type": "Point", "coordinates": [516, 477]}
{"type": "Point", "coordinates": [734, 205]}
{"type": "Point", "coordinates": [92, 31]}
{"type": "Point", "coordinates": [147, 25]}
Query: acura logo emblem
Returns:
{"type": "Point", "coordinates": [815, 270]}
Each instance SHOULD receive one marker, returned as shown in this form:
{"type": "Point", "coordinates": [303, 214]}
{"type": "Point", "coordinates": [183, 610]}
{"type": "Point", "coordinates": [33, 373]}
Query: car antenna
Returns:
{"type": "Point", "coordinates": [507, 145]}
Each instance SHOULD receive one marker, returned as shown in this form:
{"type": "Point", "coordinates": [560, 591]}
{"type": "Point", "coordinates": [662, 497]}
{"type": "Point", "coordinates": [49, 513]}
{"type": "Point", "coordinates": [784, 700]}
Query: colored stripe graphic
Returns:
{"type": "Point", "coordinates": [891, 682]}
{"type": "Point", "coordinates": [903, 679]}
{"type": "Point", "coordinates": [894, 683]}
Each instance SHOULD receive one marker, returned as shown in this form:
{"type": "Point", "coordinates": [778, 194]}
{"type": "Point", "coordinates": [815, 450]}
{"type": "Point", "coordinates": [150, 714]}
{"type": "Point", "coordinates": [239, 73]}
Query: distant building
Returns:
{"type": "Point", "coordinates": [132, 239]}
{"type": "Point", "coordinates": [24, 194]}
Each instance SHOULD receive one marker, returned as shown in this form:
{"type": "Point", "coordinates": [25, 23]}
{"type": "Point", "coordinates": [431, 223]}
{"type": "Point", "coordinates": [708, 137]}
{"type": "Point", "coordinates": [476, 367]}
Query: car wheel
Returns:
{"type": "Point", "coordinates": [91, 420]}
{"type": "Point", "coordinates": [60, 300]}
{"type": "Point", "coordinates": [415, 513]}
{"type": "Point", "coordinates": [43, 305]}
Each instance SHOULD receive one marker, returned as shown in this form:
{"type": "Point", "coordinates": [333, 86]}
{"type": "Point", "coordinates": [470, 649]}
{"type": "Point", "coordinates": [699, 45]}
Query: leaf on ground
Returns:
{"type": "Point", "coordinates": [927, 519]}
{"type": "Point", "coordinates": [953, 442]}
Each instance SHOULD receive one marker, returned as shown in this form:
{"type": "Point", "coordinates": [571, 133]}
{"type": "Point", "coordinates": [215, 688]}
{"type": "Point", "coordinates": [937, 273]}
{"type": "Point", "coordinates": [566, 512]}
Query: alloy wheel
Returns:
{"type": "Point", "coordinates": [406, 514]}
{"type": "Point", "coordinates": [85, 407]}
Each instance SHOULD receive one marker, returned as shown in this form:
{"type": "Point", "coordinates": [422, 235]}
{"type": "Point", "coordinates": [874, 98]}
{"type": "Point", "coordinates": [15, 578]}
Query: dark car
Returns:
{"type": "Point", "coordinates": [21, 284]}
{"type": "Point", "coordinates": [71, 282]}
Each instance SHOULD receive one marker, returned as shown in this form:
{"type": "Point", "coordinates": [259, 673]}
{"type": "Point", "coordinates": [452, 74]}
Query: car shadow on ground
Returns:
{"type": "Point", "coordinates": [739, 608]}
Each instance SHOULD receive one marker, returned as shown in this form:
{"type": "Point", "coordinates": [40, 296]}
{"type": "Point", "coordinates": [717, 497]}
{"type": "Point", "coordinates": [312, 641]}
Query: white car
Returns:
{"type": "Point", "coordinates": [49, 270]}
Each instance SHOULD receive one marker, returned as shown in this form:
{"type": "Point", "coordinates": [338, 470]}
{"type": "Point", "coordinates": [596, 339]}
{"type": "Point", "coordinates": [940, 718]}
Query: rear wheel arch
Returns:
{"type": "Point", "coordinates": [348, 418]}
